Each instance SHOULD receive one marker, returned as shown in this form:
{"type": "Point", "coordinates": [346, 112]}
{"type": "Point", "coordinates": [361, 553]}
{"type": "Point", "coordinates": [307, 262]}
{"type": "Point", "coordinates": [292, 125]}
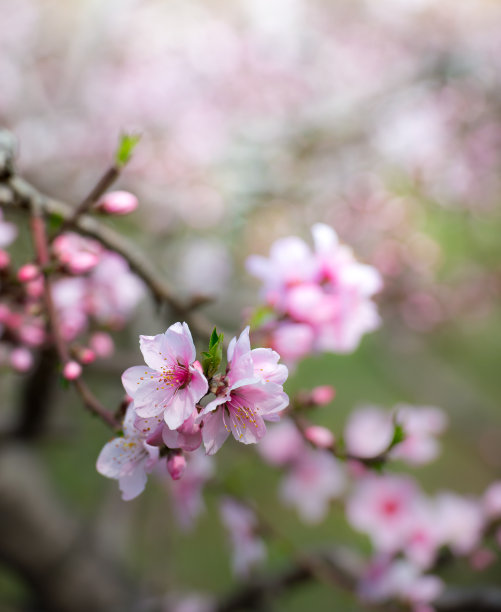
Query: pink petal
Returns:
{"type": "Point", "coordinates": [118, 455]}
{"type": "Point", "coordinates": [214, 432]}
{"type": "Point", "coordinates": [198, 386]}
{"type": "Point", "coordinates": [266, 365]}
{"type": "Point", "coordinates": [247, 429]}
{"type": "Point", "coordinates": [154, 350]}
{"type": "Point", "coordinates": [133, 484]}
{"type": "Point", "coordinates": [133, 377]}
{"type": "Point", "coordinates": [180, 343]}
{"type": "Point", "coordinates": [179, 409]}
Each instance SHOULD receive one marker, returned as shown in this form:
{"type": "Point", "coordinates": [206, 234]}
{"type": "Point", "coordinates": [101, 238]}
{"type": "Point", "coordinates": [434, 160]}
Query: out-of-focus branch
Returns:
{"type": "Point", "coordinates": [257, 592]}
{"type": "Point", "coordinates": [108, 178]}
{"type": "Point", "coordinates": [472, 599]}
{"type": "Point", "coordinates": [37, 396]}
{"type": "Point", "coordinates": [338, 563]}
{"type": "Point", "coordinates": [41, 540]}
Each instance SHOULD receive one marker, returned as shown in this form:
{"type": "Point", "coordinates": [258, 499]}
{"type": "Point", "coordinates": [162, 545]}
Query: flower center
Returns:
{"type": "Point", "coordinates": [177, 376]}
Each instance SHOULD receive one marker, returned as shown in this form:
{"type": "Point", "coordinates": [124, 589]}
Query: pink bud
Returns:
{"type": "Point", "coordinates": [319, 436]}
{"type": "Point", "coordinates": [176, 464]}
{"type": "Point", "coordinates": [35, 287]}
{"type": "Point", "coordinates": [81, 262]}
{"type": "Point", "coordinates": [21, 359]}
{"type": "Point", "coordinates": [4, 259]}
{"type": "Point", "coordinates": [118, 203]}
{"type": "Point", "coordinates": [33, 335]}
{"type": "Point", "coordinates": [86, 355]}
{"type": "Point", "coordinates": [28, 272]}
{"type": "Point", "coordinates": [72, 370]}
{"type": "Point", "coordinates": [102, 344]}
{"type": "Point", "coordinates": [323, 395]}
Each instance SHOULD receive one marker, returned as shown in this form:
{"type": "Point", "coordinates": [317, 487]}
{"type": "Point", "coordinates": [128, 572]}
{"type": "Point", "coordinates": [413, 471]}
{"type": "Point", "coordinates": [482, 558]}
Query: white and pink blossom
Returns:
{"type": "Point", "coordinates": [172, 382]}
{"type": "Point", "coordinates": [251, 392]}
{"type": "Point", "coordinates": [128, 459]}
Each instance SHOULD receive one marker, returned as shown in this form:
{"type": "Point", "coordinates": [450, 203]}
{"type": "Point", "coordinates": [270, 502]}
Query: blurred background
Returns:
{"type": "Point", "coordinates": [258, 119]}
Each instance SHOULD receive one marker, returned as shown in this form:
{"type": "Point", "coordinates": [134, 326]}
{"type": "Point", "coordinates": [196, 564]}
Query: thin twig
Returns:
{"type": "Point", "coordinates": [108, 178]}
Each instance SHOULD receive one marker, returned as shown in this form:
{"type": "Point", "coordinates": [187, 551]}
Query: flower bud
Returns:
{"type": "Point", "coordinates": [102, 344]}
{"type": "Point", "coordinates": [72, 370]}
{"type": "Point", "coordinates": [21, 359]}
{"type": "Point", "coordinates": [35, 288]}
{"type": "Point", "coordinates": [30, 334]}
{"type": "Point", "coordinates": [118, 203]}
{"type": "Point", "coordinates": [320, 436]}
{"type": "Point", "coordinates": [86, 355]}
{"type": "Point", "coordinates": [323, 395]}
{"type": "Point", "coordinates": [28, 272]}
{"type": "Point", "coordinates": [176, 464]}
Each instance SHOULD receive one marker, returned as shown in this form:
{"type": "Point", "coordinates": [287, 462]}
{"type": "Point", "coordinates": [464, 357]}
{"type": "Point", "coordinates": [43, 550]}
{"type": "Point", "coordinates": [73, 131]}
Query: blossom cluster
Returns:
{"type": "Point", "coordinates": [93, 291]}
{"type": "Point", "coordinates": [316, 301]}
{"type": "Point", "coordinates": [176, 404]}
{"type": "Point", "coordinates": [409, 530]}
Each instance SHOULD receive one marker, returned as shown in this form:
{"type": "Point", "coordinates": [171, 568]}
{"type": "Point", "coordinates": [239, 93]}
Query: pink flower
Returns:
{"type": "Point", "coordinates": [290, 264]}
{"type": "Point", "coordinates": [388, 579]}
{"type": "Point", "coordinates": [171, 385]}
{"type": "Point", "coordinates": [368, 432]}
{"type": "Point", "coordinates": [118, 203]}
{"type": "Point", "coordinates": [102, 344]}
{"type": "Point", "coordinates": [383, 507]}
{"type": "Point", "coordinates": [460, 520]}
{"type": "Point", "coordinates": [241, 523]}
{"type": "Point", "coordinates": [21, 359]}
{"type": "Point", "coordinates": [113, 291]}
{"type": "Point", "coordinates": [313, 481]}
{"type": "Point", "coordinates": [321, 298]}
{"type": "Point", "coordinates": [246, 398]}
{"type": "Point", "coordinates": [128, 459]}
{"type": "Point", "coordinates": [283, 444]}
{"type": "Point", "coordinates": [77, 254]}
{"type": "Point", "coordinates": [420, 425]}
{"type": "Point", "coordinates": [293, 340]}
{"type": "Point", "coordinates": [187, 436]}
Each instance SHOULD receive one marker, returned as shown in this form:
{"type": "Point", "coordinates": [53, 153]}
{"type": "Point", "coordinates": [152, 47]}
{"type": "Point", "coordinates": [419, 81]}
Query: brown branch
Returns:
{"type": "Point", "coordinates": [106, 181]}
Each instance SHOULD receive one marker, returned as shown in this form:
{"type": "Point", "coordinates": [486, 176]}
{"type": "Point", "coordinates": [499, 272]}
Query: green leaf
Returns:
{"type": "Point", "coordinates": [398, 435]}
{"type": "Point", "coordinates": [125, 148]}
{"type": "Point", "coordinates": [55, 222]}
{"type": "Point", "coordinates": [212, 358]}
{"type": "Point", "coordinates": [260, 316]}
{"type": "Point", "coordinates": [214, 338]}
